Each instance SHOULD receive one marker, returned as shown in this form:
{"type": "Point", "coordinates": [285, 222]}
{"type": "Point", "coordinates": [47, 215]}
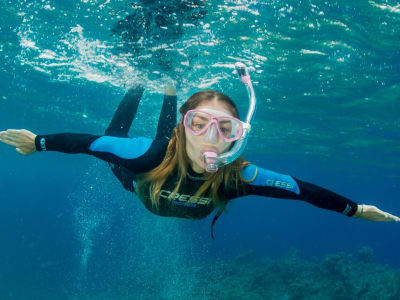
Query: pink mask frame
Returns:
{"type": "Point", "coordinates": [214, 120]}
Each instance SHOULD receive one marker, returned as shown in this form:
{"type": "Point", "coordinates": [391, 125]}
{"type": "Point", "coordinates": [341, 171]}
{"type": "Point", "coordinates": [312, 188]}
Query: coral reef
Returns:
{"type": "Point", "coordinates": [338, 276]}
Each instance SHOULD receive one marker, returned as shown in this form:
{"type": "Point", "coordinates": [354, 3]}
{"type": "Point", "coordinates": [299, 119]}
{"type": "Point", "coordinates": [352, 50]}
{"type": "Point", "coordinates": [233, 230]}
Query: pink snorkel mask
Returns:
{"type": "Point", "coordinates": [212, 122]}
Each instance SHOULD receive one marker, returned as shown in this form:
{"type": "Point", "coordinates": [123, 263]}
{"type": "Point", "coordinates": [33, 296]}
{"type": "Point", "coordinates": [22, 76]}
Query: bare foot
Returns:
{"type": "Point", "coordinates": [170, 91]}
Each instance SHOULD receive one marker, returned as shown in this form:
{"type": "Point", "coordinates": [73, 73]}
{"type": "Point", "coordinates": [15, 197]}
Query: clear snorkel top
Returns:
{"type": "Point", "coordinates": [212, 160]}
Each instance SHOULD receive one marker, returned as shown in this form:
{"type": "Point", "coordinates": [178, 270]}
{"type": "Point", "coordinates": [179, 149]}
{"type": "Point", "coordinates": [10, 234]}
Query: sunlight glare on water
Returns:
{"type": "Point", "coordinates": [327, 79]}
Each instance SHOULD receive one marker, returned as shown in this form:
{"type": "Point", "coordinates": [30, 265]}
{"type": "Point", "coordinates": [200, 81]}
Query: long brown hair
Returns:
{"type": "Point", "coordinates": [176, 159]}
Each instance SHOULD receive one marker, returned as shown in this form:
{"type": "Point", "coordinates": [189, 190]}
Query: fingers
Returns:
{"type": "Point", "coordinates": [23, 151]}
{"type": "Point", "coordinates": [20, 151]}
{"type": "Point", "coordinates": [392, 218]}
{"type": "Point", "coordinates": [14, 133]}
{"type": "Point", "coordinates": [373, 213]}
{"type": "Point", "coordinates": [386, 217]}
{"type": "Point", "coordinates": [8, 137]}
{"type": "Point", "coordinates": [11, 131]}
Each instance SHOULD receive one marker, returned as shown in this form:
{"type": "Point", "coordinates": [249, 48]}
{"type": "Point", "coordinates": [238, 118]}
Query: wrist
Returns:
{"type": "Point", "coordinates": [360, 211]}
{"type": "Point", "coordinates": [40, 143]}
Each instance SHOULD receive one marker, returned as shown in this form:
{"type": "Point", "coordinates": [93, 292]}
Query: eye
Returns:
{"type": "Point", "coordinates": [224, 130]}
{"type": "Point", "coordinates": [197, 126]}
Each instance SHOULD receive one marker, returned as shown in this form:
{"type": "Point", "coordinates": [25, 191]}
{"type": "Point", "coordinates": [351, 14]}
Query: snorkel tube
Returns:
{"type": "Point", "coordinates": [212, 160]}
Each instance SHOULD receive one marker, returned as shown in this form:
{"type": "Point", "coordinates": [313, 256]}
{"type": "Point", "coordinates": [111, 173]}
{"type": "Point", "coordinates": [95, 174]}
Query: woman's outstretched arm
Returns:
{"type": "Point", "coordinates": [167, 119]}
{"type": "Point", "coordinates": [136, 154]}
{"type": "Point", "coordinates": [271, 184]}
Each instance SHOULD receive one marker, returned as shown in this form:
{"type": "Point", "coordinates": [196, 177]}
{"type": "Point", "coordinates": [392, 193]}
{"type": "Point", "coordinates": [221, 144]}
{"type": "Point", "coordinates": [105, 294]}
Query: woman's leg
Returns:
{"type": "Point", "coordinates": [119, 127]}
{"type": "Point", "coordinates": [167, 119]}
{"type": "Point", "coordinates": [125, 113]}
{"type": "Point", "coordinates": [122, 121]}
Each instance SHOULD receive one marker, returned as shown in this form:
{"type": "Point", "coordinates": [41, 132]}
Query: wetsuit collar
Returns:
{"type": "Point", "coordinates": [193, 175]}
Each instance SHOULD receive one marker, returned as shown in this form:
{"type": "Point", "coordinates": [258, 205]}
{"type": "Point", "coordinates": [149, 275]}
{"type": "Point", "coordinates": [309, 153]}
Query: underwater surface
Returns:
{"type": "Point", "coordinates": [327, 79]}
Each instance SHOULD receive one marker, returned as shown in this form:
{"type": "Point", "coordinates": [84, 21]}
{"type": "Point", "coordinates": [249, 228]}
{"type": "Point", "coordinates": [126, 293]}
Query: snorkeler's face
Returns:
{"type": "Point", "coordinates": [210, 140]}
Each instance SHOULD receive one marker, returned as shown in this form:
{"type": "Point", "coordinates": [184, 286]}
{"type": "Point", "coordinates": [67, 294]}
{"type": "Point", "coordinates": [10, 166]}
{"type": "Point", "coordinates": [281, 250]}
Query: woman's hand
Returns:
{"type": "Point", "coordinates": [23, 140]}
{"type": "Point", "coordinates": [372, 213]}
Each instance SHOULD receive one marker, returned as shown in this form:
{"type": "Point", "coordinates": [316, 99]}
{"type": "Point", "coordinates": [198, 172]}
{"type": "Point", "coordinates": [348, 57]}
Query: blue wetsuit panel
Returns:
{"type": "Point", "coordinates": [122, 147]}
{"type": "Point", "coordinates": [269, 178]}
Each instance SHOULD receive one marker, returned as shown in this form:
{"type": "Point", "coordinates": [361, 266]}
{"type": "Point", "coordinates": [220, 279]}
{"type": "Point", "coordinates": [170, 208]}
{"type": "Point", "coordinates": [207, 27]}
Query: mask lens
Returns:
{"type": "Point", "coordinates": [228, 127]}
{"type": "Point", "coordinates": [199, 120]}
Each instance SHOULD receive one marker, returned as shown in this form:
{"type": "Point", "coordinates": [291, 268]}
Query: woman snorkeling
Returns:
{"type": "Point", "coordinates": [196, 170]}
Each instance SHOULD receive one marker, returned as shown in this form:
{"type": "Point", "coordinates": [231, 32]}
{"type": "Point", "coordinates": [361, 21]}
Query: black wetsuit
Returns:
{"type": "Point", "coordinates": [129, 157]}
{"type": "Point", "coordinates": [154, 24]}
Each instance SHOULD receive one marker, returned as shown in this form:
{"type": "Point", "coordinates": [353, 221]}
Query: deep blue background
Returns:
{"type": "Point", "coordinates": [335, 127]}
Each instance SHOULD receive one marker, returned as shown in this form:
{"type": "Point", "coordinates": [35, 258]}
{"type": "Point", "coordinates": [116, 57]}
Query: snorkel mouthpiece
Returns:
{"type": "Point", "coordinates": [210, 161]}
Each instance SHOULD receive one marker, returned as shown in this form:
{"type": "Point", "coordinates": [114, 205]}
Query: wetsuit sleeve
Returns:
{"type": "Point", "coordinates": [136, 154]}
{"type": "Point", "coordinates": [271, 184]}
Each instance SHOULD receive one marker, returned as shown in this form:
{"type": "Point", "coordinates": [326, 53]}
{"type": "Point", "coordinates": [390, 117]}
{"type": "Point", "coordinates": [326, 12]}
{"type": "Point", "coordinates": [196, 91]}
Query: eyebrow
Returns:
{"type": "Point", "coordinates": [200, 117]}
{"type": "Point", "coordinates": [205, 119]}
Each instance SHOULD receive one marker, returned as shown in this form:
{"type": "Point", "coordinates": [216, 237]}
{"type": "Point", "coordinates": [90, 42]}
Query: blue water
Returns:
{"type": "Point", "coordinates": [327, 77]}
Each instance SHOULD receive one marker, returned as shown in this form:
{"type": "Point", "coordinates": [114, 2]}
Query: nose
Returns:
{"type": "Point", "coordinates": [212, 134]}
